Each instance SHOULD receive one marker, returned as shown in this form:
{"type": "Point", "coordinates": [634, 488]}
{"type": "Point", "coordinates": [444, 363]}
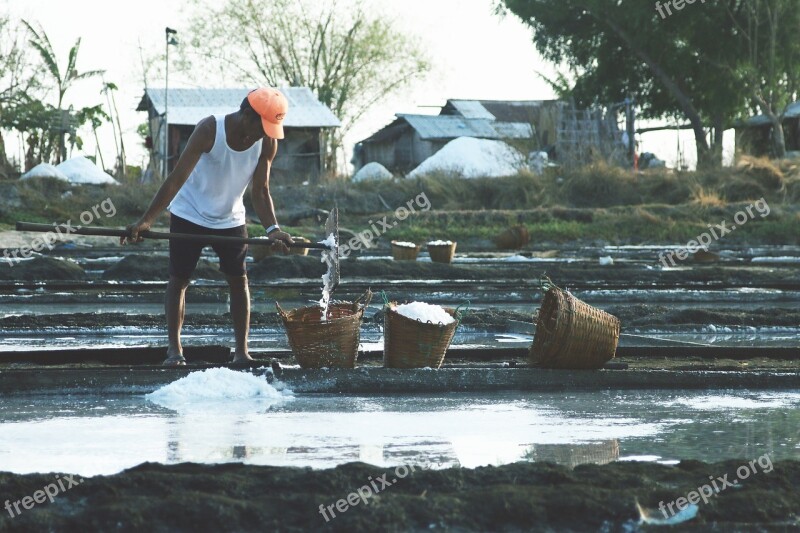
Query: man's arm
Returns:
{"type": "Point", "coordinates": [262, 199]}
{"type": "Point", "coordinates": [201, 141]}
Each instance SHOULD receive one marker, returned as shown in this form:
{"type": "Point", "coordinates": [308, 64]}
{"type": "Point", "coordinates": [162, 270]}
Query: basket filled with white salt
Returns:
{"type": "Point", "coordinates": [417, 334]}
{"type": "Point", "coordinates": [326, 337]}
{"type": "Point", "coordinates": [442, 251]}
{"type": "Point", "coordinates": [404, 251]}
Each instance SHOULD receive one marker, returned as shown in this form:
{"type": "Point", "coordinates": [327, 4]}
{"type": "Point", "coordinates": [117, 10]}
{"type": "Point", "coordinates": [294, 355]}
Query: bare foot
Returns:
{"type": "Point", "coordinates": [174, 358]}
{"type": "Point", "coordinates": [242, 357]}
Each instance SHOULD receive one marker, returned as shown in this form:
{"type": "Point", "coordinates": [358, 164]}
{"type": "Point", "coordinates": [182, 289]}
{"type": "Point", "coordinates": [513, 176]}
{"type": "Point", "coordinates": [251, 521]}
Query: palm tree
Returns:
{"type": "Point", "coordinates": [64, 79]}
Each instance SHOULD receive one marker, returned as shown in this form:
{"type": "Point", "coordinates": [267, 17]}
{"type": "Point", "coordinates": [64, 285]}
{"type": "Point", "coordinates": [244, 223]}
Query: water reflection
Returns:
{"type": "Point", "coordinates": [92, 436]}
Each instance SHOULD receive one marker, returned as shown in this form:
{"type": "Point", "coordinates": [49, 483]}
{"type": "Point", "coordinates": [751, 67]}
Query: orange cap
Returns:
{"type": "Point", "coordinates": [272, 106]}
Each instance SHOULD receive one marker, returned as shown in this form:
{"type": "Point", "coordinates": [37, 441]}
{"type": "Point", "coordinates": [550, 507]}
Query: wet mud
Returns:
{"type": "Point", "coordinates": [522, 496]}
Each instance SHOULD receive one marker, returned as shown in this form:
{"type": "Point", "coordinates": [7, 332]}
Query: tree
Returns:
{"type": "Point", "coordinates": [771, 52]}
{"type": "Point", "coordinates": [674, 66]}
{"type": "Point", "coordinates": [64, 79]}
{"type": "Point", "coordinates": [351, 60]}
{"type": "Point", "coordinates": [16, 79]}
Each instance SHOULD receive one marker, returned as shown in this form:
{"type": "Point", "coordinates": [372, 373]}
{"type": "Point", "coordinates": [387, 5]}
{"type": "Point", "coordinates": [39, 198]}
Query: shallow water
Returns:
{"type": "Point", "coordinates": [103, 435]}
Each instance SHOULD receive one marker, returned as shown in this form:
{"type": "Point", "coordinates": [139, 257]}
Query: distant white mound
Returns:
{"type": "Point", "coordinates": [473, 158]}
{"type": "Point", "coordinates": [82, 171]}
{"type": "Point", "coordinates": [44, 170]}
{"type": "Point", "coordinates": [372, 171]}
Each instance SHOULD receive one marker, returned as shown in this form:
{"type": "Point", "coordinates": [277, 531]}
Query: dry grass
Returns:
{"type": "Point", "coordinates": [707, 198]}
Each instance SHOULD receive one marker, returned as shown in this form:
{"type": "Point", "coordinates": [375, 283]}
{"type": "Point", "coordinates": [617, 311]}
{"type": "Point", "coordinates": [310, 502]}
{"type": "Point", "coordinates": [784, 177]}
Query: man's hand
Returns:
{"type": "Point", "coordinates": [280, 240]}
{"type": "Point", "coordinates": [135, 231]}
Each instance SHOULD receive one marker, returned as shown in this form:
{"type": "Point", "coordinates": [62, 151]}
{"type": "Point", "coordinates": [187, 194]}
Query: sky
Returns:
{"type": "Point", "coordinates": [475, 54]}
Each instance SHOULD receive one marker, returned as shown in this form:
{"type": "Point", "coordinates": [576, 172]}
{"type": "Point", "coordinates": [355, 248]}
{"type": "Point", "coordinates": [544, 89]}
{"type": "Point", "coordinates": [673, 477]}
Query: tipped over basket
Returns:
{"type": "Point", "coordinates": [572, 334]}
{"type": "Point", "coordinates": [410, 343]}
{"type": "Point", "coordinates": [332, 343]}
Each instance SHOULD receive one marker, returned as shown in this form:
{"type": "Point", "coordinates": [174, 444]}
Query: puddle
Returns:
{"type": "Point", "coordinates": [103, 435]}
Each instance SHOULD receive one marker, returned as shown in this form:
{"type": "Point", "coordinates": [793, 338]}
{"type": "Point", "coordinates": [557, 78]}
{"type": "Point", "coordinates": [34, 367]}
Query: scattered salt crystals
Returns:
{"type": "Point", "coordinates": [327, 278]}
{"type": "Point", "coordinates": [440, 243]}
{"type": "Point", "coordinates": [425, 313]}
{"type": "Point", "coordinates": [218, 386]}
{"type": "Point", "coordinates": [606, 260]}
{"type": "Point", "coordinates": [404, 244]}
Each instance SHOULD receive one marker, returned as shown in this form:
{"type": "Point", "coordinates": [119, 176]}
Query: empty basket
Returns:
{"type": "Point", "coordinates": [333, 343]}
{"type": "Point", "coordinates": [409, 343]}
{"type": "Point", "coordinates": [573, 334]}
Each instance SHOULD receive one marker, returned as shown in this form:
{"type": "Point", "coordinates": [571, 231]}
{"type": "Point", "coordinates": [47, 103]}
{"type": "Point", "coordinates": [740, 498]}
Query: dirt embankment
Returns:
{"type": "Point", "coordinates": [515, 497]}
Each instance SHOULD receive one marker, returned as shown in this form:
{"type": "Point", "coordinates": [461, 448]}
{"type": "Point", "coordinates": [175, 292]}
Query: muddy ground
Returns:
{"type": "Point", "coordinates": [516, 497]}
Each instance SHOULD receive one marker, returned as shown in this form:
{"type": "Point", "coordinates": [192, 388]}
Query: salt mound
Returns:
{"type": "Point", "coordinates": [473, 158]}
{"type": "Point", "coordinates": [425, 313]}
{"type": "Point", "coordinates": [82, 171]}
{"type": "Point", "coordinates": [372, 171]}
{"type": "Point", "coordinates": [44, 170]}
{"type": "Point", "coordinates": [217, 385]}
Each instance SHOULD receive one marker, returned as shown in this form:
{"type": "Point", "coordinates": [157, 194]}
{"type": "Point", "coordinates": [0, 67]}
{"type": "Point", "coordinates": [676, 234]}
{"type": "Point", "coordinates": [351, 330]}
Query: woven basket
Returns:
{"type": "Point", "coordinates": [513, 238]}
{"type": "Point", "coordinates": [259, 252]}
{"type": "Point", "coordinates": [442, 253]}
{"type": "Point", "coordinates": [409, 343]}
{"type": "Point", "coordinates": [404, 253]}
{"type": "Point", "coordinates": [333, 343]}
{"type": "Point", "coordinates": [572, 334]}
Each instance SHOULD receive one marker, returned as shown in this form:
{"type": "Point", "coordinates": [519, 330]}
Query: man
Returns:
{"type": "Point", "coordinates": [203, 194]}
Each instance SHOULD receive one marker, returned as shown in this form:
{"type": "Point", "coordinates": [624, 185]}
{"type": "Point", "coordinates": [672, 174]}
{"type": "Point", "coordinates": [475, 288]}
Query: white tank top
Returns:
{"type": "Point", "coordinates": [212, 196]}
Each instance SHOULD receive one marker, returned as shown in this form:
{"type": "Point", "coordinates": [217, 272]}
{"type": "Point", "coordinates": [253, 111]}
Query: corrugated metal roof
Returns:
{"type": "Point", "coordinates": [450, 127]}
{"type": "Point", "coordinates": [471, 109]}
{"type": "Point", "coordinates": [513, 130]}
{"type": "Point", "coordinates": [792, 111]}
{"type": "Point", "coordinates": [189, 106]}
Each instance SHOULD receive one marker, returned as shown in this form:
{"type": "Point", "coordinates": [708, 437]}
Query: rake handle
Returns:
{"type": "Point", "coordinates": [116, 232]}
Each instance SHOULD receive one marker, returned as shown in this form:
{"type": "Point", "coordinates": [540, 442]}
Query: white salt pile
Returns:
{"type": "Point", "coordinates": [404, 244]}
{"type": "Point", "coordinates": [372, 171]}
{"type": "Point", "coordinates": [219, 386]}
{"type": "Point", "coordinates": [440, 243]}
{"type": "Point", "coordinates": [82, 171]}
{"type": "Point", "coordinates": [327, 277]}
{"type": "Point", "coordinates": [44, 170]}
{"type": "Point", "coordinates": [425, 313]}
{"type": "Point", "coordinates": [473, 158]}
{"type": "Point", "coordinates": [606, 260]}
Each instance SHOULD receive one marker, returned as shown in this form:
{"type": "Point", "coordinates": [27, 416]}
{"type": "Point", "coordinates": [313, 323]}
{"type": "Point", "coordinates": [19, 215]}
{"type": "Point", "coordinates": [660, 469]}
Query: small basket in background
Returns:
{"type": "Point", "coordinates": [571, 334]}
{"type": "Point", "coordinates": [259, 251]}
{"type": "Point", "coordinates": [332, 343]}
{"type": "Point", "coordinates": [442, 253]}
{"type": "Point", "coordinates": [513, 238]}
{"type": "Point", "coordinates": [403, 252]}
{"type": "Point", "coordinates": [410, 343]}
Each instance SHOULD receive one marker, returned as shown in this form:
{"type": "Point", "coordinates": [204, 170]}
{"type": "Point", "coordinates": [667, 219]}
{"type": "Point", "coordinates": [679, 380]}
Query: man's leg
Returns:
{"type": "Point", "coordinates": [240, 313]}
{"type": "Point", "coordinates": [232, 263]}
{"type": "Point", "coordinates": [183, 257]}
{"type": "Point", "coordinates": [175, 307]}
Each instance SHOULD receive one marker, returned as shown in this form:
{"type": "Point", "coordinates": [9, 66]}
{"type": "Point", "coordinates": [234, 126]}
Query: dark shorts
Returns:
{"type": "Point", "coordinates": [183, 256]}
